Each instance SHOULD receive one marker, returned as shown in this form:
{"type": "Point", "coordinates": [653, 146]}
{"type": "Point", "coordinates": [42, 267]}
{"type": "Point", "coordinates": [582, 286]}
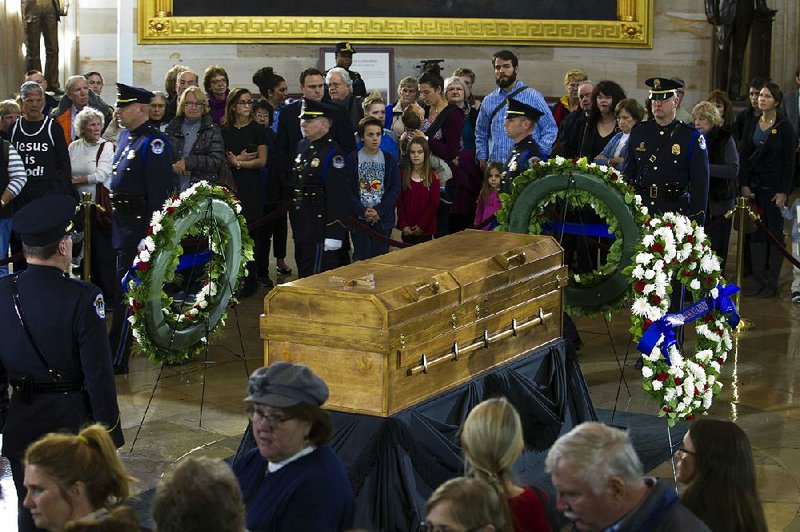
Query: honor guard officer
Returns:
{"type": "Point", "coordinates": [667, 161]}
{"type": "Point", "coordinates": [54, 351]}
{"type": "Point", "coordinates": [519, 124]}
{"type": "Point", "coordinates": [344, 59]}
{"type": "Point", "coordinates": [322, 183]}
{"type": "Point", "coordinates": [142, 180]}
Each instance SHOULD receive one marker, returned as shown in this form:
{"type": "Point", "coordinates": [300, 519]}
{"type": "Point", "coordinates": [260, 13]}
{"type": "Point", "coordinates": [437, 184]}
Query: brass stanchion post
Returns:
{"type": "Point", "coordinates": [742, 209]}
{"type": "Point", "coordinates": [86, 204]}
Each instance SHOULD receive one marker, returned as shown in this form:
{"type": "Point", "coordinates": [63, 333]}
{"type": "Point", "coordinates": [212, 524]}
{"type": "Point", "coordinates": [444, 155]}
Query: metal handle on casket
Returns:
{"type": "Point", "coordinates": [483, 342]}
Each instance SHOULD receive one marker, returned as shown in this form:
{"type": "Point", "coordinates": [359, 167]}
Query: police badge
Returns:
{"type": "Point", "coordinates": [676, 149]}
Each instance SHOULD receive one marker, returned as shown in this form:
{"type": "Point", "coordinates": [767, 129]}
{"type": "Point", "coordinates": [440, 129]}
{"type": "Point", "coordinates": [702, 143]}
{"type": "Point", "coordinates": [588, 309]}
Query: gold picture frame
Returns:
{"type": "Point", "coordinates": [632, 29]}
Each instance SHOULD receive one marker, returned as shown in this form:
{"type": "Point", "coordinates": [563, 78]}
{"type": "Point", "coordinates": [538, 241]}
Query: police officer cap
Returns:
{"type": "Point", "coordinates": [283, 384]}
{"type": "Point", "coordinates": [662, 88]}
{"type": "Point", "coordinates": [312, 109]}
{"type": "Point", "coordinates": [345, 47]}
{"type": "Point", "coordinates": [45, 220]}
{"type": "Point", "coordinates": [127, 95]}
{"type": "Point", "coordinates": [517, 108]}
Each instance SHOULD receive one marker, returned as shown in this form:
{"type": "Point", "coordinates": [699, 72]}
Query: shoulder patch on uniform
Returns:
{"type": "Point", "coordinates": [157, 146]}
{"type": "Point", "coordinates": [338, 161]}
{"type": "Point", "coordinates": [100, 306]}
{"type": "Point", "coordinates": [701, 141]}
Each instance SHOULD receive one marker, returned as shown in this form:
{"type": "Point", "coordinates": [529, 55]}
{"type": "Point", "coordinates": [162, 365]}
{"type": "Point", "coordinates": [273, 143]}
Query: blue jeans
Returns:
{"type": "Point", "coordinates": [365, 247]}
{"type": "Point", "coordinates": [5, 237]}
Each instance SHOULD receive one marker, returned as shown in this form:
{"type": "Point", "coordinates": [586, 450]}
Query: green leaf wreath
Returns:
{"type": "Point", "coordinates": [167, 331]}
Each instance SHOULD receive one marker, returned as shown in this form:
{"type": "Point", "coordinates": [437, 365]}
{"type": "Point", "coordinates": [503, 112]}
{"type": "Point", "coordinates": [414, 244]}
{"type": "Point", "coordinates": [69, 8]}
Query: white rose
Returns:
{"type": "Point", "coordinates": [202, 304]}
{"type": "Point", "coordinates": [149, 244]}
{"type": "Point", "coordinates": [559, 160]}
{"type": "Point", "coordinates": [603, 168]}
{"type": "Point", "coordinates": [238, 208]}
{"type": "Point", "coordinates": [157, 217]}
{"type": "Point", "coordinates": [649, 274]}
{"type": "Point", "coordinates": [695, 284]}
{"type": "Point", "coordinates": [157, 227]}
{"type": "Point", "coordinates": [144, 256]}
{"type": "Point", "coordinates": [647, 372]}
{"type": "Point", "coordinates": [657, 385]}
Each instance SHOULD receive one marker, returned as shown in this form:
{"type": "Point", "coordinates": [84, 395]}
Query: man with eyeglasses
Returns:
{"type": "Point", "coordinates": [141, 180]}
{"type": "Point", "coordinates": [340, 91]}
{"type": "Point", "coordinates": [667, 160]}
{"type": "Point", "coordinates": [54, 352]}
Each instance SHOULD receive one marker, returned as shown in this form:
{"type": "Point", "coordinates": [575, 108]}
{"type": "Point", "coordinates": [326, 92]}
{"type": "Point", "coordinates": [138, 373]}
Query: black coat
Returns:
{"type": "Point", "coordinates": [71, 331]}
{"type": "Point", "coordinates": [769, 166]}
{"type": "Point", "coordinates": [207, 155]}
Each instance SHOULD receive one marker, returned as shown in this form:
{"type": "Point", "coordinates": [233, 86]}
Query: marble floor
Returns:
{"type": "Point", "coordinates": [197, 409]}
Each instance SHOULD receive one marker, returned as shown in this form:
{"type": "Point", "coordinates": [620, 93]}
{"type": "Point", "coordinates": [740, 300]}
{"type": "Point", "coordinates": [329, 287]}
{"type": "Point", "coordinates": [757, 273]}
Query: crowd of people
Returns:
{"type": "Point", "coordinates": [346, 168]}
{"type": "Point", "coordinates": [293, 480]}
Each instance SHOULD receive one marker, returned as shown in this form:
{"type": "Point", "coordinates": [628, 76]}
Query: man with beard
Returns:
{"type": "Point", "coordinates": [492, 143]}
{"type": "Point", "coordinates": [667, 161]}
{"type": "Point", "coordinates": [570, 133]}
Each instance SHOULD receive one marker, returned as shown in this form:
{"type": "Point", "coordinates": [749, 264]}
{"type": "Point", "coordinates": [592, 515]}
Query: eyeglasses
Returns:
{"type": "Point", "coordinates": [273, 421]}
{"type": "Point", "coordinates": [336, 84]}
{"type": "Point", "coordinates": [219, 81]}
{"type": "Point", "coordinates": [192, 104]}
{"type": "Point", "coordinates": [684, 451]}
{"type": "Point", "coordinates": [245, 102]}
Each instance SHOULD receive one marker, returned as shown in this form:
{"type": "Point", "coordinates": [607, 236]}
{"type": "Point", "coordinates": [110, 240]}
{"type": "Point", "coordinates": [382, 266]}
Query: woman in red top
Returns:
{"type": "Point", "coordinates": [491, 439]}
{"type": "Point", "coordinates": [419, 197]}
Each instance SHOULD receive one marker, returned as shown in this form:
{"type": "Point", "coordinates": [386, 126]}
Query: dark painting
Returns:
{"type": "Point", "coordinates": [454, 9]}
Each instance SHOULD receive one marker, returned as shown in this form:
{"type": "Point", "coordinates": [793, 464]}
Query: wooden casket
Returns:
{"type": "Point", "coordinates": [390, 332]}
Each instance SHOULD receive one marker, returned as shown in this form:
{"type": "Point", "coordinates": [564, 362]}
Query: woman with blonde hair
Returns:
{"type": "Point", "coordinates": [491, 439]}
{"type": "Point", "coordinates": [70, 477]}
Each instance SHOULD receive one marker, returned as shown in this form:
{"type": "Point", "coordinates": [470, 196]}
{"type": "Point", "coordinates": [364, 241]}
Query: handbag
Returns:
{"type": "Point", "coordinates": [102, 197]}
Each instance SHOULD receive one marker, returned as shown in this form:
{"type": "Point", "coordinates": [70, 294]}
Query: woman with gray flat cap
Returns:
{"type": "Point", "coordinates": [292, 480]}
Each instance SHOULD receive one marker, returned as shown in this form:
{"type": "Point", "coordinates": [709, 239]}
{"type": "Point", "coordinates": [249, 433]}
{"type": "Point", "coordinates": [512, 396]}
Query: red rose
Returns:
{"type": "Point", "coordinates": [687, 273]}
{"type": "Point", "coordinates": [708, 317]}
{"type": "Point", "coordinates": [690, 417]}
{"type": "Point", "coordinates": [720, 361]}
{"type": "Point", "coordinates": [149, 230]}
{"type": "Point", "coordinates": [175, 198]}
{"type": "Point", "coordinates": [613, 177]}
{"type": "Point", "coordinates": [656, 299]}
{"type": "Point", "coordinates": [647, 324]}
{"type": "Point", "coordinates": [639, 286]}
{"type": "Point", "coordinates": [669, 224]}
{"type": "Point", "coordinates": [667, 409]}
{"type": "Point", "coordinates": [170, 210]}
{"type": "Point", "coordinates": [709, 281]}
{"type": "Point", "coordinates": [662, 376]}
{"type": "Point", "coordinates": [690, 239]}
{"type": "Point", "coordinates": [143, 266]}
{"type": "Point", "coordinates": [657, 248]}
{"type": "Point", "coordinates": [678, 381]}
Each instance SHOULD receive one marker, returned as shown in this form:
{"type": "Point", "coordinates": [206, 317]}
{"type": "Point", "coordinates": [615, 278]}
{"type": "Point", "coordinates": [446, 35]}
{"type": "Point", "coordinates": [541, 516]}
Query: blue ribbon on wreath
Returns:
{"type": "Point", "coordinates": [572, 228]}
{"type": "Point", "coordinates": [184, 262]}
{"type": "Point", "coordinates": [665, 327]}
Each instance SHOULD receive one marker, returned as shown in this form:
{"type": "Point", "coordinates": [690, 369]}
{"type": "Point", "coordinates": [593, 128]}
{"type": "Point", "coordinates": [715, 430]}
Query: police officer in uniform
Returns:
{"type": "Point", "coordinates": [322, 183]}
{"type": "Point", "coordinates": [54, 352]}
{"type": "Point", "coordinates": [667, 161]}
{"type": "Point", "coordinates": [344, 59]}
{"type": "Point", "coordinates": [142, 180]}
{"type": "Point", "coordinates": [519, 124]}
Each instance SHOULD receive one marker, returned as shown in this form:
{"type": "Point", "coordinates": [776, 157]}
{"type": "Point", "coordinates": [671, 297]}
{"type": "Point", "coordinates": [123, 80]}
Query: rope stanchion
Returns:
{"type": "Point", "coordinates": [363, 228]}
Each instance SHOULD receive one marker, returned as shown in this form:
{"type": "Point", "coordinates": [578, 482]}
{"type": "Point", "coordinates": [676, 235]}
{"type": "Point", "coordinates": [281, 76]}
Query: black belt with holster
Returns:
{"type": "Point", "coordinates": [308, 196]}
{"type": "Point", "coordinates": [25, 388]}
{"type": "Point", "coordinates": [669, 192]}
{"type": "Point", "coordinates": [132, 203]}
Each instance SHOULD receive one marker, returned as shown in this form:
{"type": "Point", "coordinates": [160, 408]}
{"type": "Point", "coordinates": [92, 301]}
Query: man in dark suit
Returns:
{"type": "Point", "coordinates": [54, 352]}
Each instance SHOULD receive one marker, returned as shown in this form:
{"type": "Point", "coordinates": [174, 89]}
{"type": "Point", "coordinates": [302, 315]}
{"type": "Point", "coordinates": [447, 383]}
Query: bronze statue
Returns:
{"type": "Point", "coordinates": [732, 20]}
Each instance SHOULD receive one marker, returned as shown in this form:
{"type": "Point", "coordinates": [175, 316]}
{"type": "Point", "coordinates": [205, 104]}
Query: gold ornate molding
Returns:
{"type": "Point", "coordinates": [633, 29]}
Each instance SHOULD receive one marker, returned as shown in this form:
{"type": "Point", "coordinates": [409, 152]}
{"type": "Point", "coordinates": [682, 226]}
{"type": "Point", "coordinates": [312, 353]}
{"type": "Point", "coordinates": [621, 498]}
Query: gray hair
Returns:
{"type": "Point", "coordinates": [29, 87]}
{"type": "Point", "coordinates": [454, 79]}
{"type": "Point", "coordinates": [72, 79]}
{"type": "Point", "coordinates": [594, 453]}
{"type": "Point", "coordinates": [345, 75]}
{"type": "Point", "coordinates": [84, 117]}
{"type": "Point", "coordinates": [160, 94]}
